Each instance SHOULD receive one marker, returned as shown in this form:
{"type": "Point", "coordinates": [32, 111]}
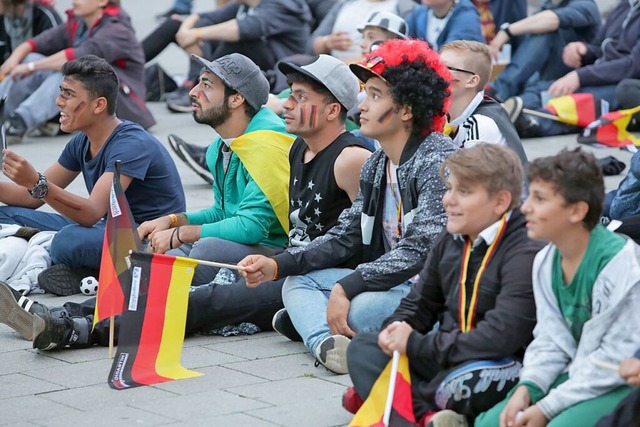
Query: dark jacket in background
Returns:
{"type": "Point", "coordinates": [44, 17]}
{"type": "Point", "coordinates": [113, 38]}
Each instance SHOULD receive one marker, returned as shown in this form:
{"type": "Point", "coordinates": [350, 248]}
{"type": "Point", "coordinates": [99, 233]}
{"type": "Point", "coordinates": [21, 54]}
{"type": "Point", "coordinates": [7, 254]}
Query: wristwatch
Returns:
{"type": "Point", "coordinates": [40, 190]}
{"type": "Point", "coordinates": [505, 27]}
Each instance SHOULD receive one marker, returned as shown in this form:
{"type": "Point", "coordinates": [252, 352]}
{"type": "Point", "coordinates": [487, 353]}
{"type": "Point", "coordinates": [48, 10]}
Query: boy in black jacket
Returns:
{"type": "Point", "coordinates": [476, 284]}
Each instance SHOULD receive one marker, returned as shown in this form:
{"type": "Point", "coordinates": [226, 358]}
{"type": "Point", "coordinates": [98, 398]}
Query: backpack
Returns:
{"type": "Point", "coordinates": [158, 83]}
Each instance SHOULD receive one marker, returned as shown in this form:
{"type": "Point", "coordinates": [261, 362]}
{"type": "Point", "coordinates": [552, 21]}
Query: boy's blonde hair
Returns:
{"type": "Point", "coordinates": [477, 58]}
{"type": "Point", "coordinates": [493, 166]}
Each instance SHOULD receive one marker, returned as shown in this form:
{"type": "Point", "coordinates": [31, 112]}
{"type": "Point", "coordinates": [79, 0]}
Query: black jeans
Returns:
{"type": "Point", "coordinates": [210, 306]}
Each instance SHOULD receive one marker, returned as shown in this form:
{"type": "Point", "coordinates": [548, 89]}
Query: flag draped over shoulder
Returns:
{"type": "Point", "coordinates": [269, 168]}
{"type": "Point", "coordinates": [120, 237]}
{"type": "Point", "coordinates": [611, 129]}
{"type": "Point", "coordinates": [578, 109]}
{"type": "Point", "coordinates": [372, 411]}
{"type": "Point", "coordinates": [152, 329]}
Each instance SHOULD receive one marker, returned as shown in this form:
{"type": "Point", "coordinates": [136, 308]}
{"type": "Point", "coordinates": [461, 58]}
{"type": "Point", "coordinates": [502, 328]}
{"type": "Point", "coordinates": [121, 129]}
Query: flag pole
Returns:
{"type": "Point", "coordinates": [111, 335]}
{"type": "Point", "coordinates": [541, 114]}
{"type": "Point", "coordinates": [210, 263]}
{"type": "Point", "coordinates": [392, 388]}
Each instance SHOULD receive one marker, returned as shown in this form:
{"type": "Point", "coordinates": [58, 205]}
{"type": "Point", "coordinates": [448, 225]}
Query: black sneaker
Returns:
{"type": "Point", "coordinates": [281, 323]}
{"type": "Point", "coordinates": [63, 280]}
{"type": "Point", "coordinates": [195, 156]}
{"type": "Point", "coordinates": [513, 106]}
{"type": "Point", "coordinates": [332, 354]}
{"type": "Point", "coordinates": [179, 101]}
{"type": "Point", "coordinates": [526, 125]}
{"type": "Point", "coordinates": [16, 129]}
{"type": "Point", "coordinates": [62, 331]}
{"type": "Point", "coordinates": [17, 312]}
{"type": "Point", "coordinates": [174, 142]}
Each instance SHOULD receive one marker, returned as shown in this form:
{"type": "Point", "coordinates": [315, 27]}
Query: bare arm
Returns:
{"type": "Point", "coordinates": [84, 211]}
{"type": "Point", "coordinates": [225, 31]}
{"type": "Point", "coordinates": [544, 22]}
{"type": "Point", "coordinates": [16, 58]}
{"type": "Point", "coordinates": [347, 169]}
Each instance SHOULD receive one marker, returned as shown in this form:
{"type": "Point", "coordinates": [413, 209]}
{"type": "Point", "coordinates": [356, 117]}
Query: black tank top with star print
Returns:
{"type": "Point", "coordinates": [315, 200]}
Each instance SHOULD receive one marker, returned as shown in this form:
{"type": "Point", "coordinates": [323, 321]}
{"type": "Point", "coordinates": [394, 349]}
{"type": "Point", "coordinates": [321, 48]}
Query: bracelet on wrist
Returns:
{"type": "Point", "coordinates": [275, 273]}
{"type": "Point", "coordinates": [174, 220]}
{"type": "Point", "coordinates": [172, 236]}
{"type": "Point", "coordinates": [178, 235]}
{"type": "Point", "coordinates": [198, 34]}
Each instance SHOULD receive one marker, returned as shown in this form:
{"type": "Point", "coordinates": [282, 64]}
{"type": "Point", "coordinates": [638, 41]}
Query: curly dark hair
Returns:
{"type": "Point", "coordinates": [576, 175]}
{"type": "Point", "coordinates": [416, 76]}
{"type": "Point", "coordinates": [424, 90]}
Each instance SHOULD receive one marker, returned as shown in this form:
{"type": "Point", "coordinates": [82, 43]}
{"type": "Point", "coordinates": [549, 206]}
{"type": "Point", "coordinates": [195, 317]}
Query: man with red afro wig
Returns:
{"type": "Point", "coordinates": [384, 238]}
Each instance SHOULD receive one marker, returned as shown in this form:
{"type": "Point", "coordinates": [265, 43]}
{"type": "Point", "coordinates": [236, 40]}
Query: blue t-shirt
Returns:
{"type": "Point", "coordinates": [156, 188]}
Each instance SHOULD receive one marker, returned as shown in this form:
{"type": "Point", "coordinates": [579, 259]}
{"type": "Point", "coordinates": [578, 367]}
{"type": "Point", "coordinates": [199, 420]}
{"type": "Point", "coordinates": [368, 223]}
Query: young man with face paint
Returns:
{"type": "Point", "coordinates": [94, 27]}
{"type": "Point", "coordinates": [87, 104]}
{"type": "Point", "coordinates": [394, 220]}
{"type": "Point", "coordinates": [325, 161]}
{"type": "Point", "coordinates": [475, 284]}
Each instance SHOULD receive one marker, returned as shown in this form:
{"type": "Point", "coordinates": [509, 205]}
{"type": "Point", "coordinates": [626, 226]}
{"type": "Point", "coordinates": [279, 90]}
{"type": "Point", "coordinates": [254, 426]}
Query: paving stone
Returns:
{"type": "Point", "coordinates": [32, 408]}
{"type": "Point", "coordinates": [260, 347]}
{"type": "Point", "coordinates": [312, 412]}
{"type": "Point", "coordinates": [210, 405]}
{"type": "Point", "coordinates": [75, 375]}
{"type": "Point", "coordinates": [15, 385]}
{"type": "Point", "coordinates": [25, 360]}
{"type": "Point", "coordinates": [218, 376]}
{"type": "Point", "coordinates": [280, 392]}
{"type": "Point", "coordinates": [108, 417]}
{"type": "Point", "coordinates": [102, 396]}
{"type": "Point", "coordinates": [198, 357]}
{"type": "Point", "coordinates": [281, 367]}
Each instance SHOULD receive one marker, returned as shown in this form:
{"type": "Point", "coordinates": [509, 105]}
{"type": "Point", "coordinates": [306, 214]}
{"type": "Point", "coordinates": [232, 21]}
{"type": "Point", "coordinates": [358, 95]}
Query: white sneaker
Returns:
{"type": "Point", "coordinates": [332, 354]}
{"type": "Point", "coordinates": [448, 418]}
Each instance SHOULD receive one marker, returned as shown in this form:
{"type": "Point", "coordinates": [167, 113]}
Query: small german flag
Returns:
{"type": "Point", "coordinates": [611, 130]}
{"type": "Point", "coordinates": [578, 109]}
{"type": "Point", "coordinates": [120, 237]}
{"type": "Point", "coordinates": [152, 330]}
{"type": "Point", "coordinates": [394, 383]}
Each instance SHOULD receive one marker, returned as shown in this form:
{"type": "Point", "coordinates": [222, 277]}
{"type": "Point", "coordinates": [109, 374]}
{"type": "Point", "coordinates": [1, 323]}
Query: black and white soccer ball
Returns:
{"type": "Point", "coordinates": [89, 285]}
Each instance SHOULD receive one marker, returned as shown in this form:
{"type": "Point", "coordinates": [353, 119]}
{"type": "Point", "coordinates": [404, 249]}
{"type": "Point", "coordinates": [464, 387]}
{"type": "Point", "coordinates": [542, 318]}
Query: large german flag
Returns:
{"type": "Point", "coordinates": [120, 237]}
{"type": "Point", "coordinates": [377, 407]}
{"type": "Point", "coordinates": [152, 330]}
{"type": "Point", "coordinates": [611, 130]}
{"type": "Point", "coordinates": [578, 109]}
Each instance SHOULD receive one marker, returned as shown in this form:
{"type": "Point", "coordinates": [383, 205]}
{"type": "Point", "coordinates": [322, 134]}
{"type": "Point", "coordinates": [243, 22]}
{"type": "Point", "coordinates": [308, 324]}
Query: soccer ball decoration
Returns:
{"type": "Point", "coordinates": [89, 285]}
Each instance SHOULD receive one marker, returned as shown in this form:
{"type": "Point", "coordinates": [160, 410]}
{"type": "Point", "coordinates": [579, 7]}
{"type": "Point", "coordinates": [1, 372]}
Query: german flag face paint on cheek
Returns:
{"type": "Point", "coordinates": [303, 115]}
{"type": "Point", "coordinates": [79, 107]}
{"type": "Point", "coordinates": [313, 116]}
{"type": "Point", "coordinates": [386, 116]}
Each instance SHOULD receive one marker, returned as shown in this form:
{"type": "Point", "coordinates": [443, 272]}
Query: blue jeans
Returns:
{"type": "Point", "coordinates": [217, 250]}
{"type": "Point", "coordinates": [73, 244]}
{"type": "Point", "coordinates": [183, 6]}
{"type": "Point", "coordinates": [33, 98]}
{"type": "Point", "coordinates": [532, 100]}
{"type": "Point", "coordinates": [306, 299]}
{"type": "Point", "coordinates": [537, 53]}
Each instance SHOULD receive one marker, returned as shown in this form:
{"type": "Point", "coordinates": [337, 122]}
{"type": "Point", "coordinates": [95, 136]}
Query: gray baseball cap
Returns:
{"type": "Point", "coordinates": [240, 74]}
{"type": "Point", "coordinates": [387, 21]}
{"type": "Point", "coordinates": [330, 73]}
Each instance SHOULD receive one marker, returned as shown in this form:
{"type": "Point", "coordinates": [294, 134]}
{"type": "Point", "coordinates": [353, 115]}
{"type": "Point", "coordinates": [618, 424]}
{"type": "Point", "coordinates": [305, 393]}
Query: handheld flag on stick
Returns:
{"type": "Point", "coordinates": [391, 393]}
{"type": "Point", "coordinates": [578, 109]}
{"type": "Point", "coordinates": [120, 237]}
{"type": "Point", "coordinates": [611, 130]}
{"type": "Point", "coordinates": [152, 329]}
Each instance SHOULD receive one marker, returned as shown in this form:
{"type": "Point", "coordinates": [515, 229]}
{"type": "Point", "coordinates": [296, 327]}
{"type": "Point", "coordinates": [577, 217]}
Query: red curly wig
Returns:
{"type": "Point", "coordinates": [416, 75]}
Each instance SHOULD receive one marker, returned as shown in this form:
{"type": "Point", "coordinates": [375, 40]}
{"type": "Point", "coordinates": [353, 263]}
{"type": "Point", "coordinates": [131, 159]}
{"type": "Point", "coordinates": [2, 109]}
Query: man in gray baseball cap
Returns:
{"type": "Point", "coordinates": [250, 168]}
